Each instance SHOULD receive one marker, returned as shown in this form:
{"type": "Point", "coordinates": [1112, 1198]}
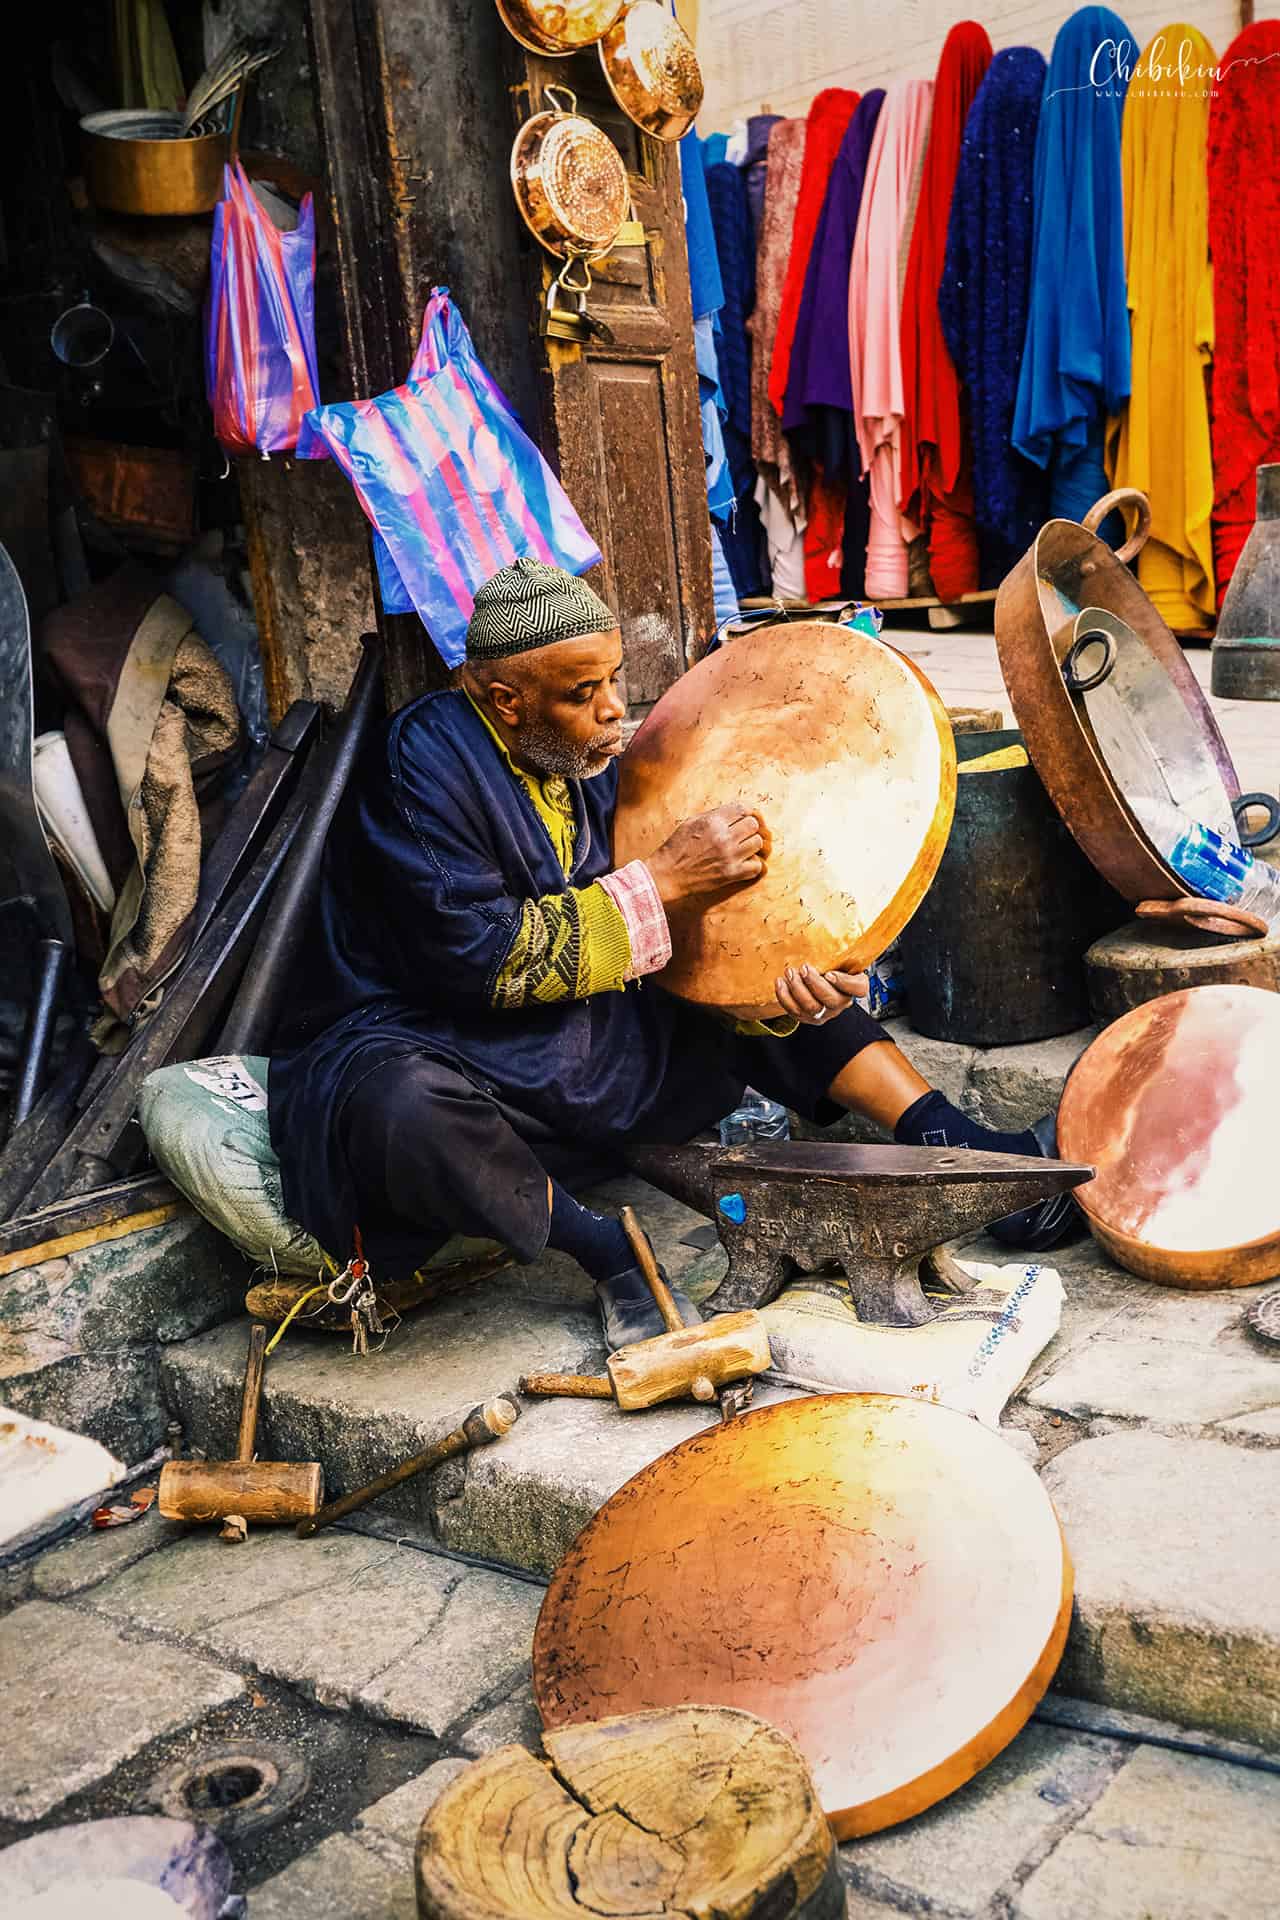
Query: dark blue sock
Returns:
{"type": "Point", "coordinates": [595, 1240]}
{"type": "Point", "coordinates": [932, 1121]}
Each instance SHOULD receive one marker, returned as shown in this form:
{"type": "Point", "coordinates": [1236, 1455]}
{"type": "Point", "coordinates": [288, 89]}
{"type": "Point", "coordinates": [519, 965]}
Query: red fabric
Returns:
{"type": "Point", "coordinates": [931, 388]}
{"type": "Point", "coordinates": [953, 533]}
{"type": "Point", "coordinates": [829, 116]}
{"type": "Point", "coordinates": [823, 540]}
{"type": "Point", "coordinates": [1244, 240]}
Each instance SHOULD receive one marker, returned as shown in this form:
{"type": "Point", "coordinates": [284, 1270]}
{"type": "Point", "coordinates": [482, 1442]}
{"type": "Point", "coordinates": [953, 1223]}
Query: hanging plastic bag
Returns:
{"type": "Point", "coordinates": [452, 483]}
{"type": "Point", "coordinates": [260, 337]}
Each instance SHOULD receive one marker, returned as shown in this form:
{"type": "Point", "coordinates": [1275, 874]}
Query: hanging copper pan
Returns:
{"type": "Point", "coordinates": [845, 750]}
{"type": "Point", "coordinates": [569, 180]}
{"type": "Point", "coordinates": [1174, 1105]}
{"type": "Point", "coordinates": [1065, 571]}
{"type": "Point", "coordinates": [882, 1579]}
{"type": "Point", "coordinates": [558, 27]}
{"type": "Point", "coordinates": [652, 70]}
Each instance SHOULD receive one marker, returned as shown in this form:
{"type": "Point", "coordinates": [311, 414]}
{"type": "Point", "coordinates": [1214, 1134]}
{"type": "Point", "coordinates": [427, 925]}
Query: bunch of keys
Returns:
{"type": "Point", "coordinates": [565, 315]}
{"type": "Point", "coordinates": [354, 1288]}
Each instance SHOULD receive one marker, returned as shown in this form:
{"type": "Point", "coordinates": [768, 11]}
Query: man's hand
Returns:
{"type": "Point", "coordinates": [725, 848]}
{"type": "Point", "coordinates": [812, 997]}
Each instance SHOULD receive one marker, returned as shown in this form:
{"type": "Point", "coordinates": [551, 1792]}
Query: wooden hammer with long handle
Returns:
{"type": "Point", "coordinates": [270, 1491]}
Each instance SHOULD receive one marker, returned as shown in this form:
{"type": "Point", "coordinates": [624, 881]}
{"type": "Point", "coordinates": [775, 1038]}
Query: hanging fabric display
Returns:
{"type": "Point", "coordinates": [1244, 240]}
{"type": "Point", "coordinates": [1160, 443]}
{"type": "Point", "coordinates": [825, 128]}
{"type": "Point", "coordinates": [818, 414]}
{"type": "Point", "coordinates": [984, 297]}
{"type": "Point", "coordinates": [755, 164]}
{"type": "Point", "coordinates": [937, 491]}
{"type": "Point", "coordinates": [1075, 360]}
{"type": "Point", "coordinates": [874, 322]}
{"type": "Point", "coordinates": [782, 194]}
{"type": "Point", "coordinates": [731, 223]}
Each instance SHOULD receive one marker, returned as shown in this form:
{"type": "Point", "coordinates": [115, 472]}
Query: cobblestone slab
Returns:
{"type": "Point", "coordinates": [80, 1699]}
{"type": "Point", "coordinates": [1177, 1557]}
{"type": "Point", "coordinates": [1174, 1837]}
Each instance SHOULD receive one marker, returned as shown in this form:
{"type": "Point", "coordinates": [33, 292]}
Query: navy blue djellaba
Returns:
{"type": "Point", "coordinates": [402, 1100]}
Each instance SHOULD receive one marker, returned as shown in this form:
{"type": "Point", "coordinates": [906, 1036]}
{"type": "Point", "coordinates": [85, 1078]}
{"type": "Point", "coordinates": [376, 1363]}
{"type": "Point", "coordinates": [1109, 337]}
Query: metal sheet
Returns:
{"type": "Point", "coordinates": [1174, 1105]}
{"type": "Point", "coordinates": [882, 1579]}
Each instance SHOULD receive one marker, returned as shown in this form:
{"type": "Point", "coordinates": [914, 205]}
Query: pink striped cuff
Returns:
{"type": "Point", "coordinates": [633, 893]}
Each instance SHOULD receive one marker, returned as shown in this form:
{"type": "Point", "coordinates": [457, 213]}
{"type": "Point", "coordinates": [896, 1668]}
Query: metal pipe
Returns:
{"type": "Point", "coordinates": [38, 1037]}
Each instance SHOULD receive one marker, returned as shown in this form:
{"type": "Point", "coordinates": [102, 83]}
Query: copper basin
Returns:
{"type": "Point", "coordinates": [569, 180]}
{"type": "Point", "coordinates": [558, 27]}
{"type": "Point", "coordinates": [140, 163]}
{"type": "Point", "coordinates": [1173, 1104]}
{"type": "Point", "coordinates": [845, 750]}
{"type": "Point", "coordinates": [883, 1579]}
{"type": "Point", "coordinates": [1066, 570]}
{"type": "Point", "coordinates": [652, 70]}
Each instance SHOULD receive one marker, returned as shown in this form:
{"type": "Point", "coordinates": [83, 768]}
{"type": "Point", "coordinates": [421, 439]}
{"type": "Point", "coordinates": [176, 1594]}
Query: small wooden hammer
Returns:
{"type": "Point", "coordinates": [694, 1361]}
{"type": "Point", "coordinates": [270, 1491]}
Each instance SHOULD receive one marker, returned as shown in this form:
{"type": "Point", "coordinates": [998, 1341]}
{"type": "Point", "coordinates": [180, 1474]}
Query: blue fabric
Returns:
{"type": "Point", "coordinates": [705, 287]}
{"type": "Point", "coordinates": [1075, 360]}
{"type": "Point", "coordinates": [736, 254]}
{"type": "Point", "coordinates": [755, 166]}
{"type": "Point", "coordinates": [985, 296]}
{"type": "Point", "coordinates": [715, 148]}
{"type": "Point", "coordinates": [722, 588]}
{"type": "Point", "coordinates": [720, 489]}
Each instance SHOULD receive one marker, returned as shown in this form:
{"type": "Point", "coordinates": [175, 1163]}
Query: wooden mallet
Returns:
{"type": "Point", "coordinates": [684, 1362]}
{"type": "Point", "coordinates": [267, 1492]}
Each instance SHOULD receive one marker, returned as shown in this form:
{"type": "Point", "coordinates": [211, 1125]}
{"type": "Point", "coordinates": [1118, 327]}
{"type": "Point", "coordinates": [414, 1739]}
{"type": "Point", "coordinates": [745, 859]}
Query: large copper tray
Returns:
{"type": "Point", "coordinates": [1067, 570]}
{"type": "Point", "coordinates": [1174, 1105]}
{"type": "Point", "coordinates": [883, 1579]}
{"type": "Point", "coordinates": [846, 751]}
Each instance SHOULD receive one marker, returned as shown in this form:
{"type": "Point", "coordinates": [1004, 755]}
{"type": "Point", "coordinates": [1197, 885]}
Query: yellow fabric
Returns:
{"type": "Point", "coordinates": [1160, 443]}
{"type": "Point", "coordinates": [1000, 761]}
{"type": "Point", "coordinates": [568, 945]}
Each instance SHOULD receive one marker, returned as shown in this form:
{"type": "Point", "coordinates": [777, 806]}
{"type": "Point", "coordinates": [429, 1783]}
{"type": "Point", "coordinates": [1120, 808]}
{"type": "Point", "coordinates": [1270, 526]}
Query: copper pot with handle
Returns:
{"type": "Point", "coordinates": [558, 27]}
{"type": "Point", "coordinates": [652, 70]}
{"type": "Point", "coordinates": [569, 180]}
{"type": "Point", "coordinates": [1069, 615]}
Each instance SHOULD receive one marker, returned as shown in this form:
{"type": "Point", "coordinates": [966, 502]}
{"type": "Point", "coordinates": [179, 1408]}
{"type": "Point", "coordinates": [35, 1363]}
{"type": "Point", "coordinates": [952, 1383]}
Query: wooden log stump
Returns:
{"type": "Point", "coordinates": [1136, 963]}
{"type": "Point", "coordinates": [676, 1814]}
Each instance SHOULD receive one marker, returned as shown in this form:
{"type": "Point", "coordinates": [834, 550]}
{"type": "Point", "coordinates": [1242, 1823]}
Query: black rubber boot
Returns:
{"type": "Point", "coordinates": [629, 1312]}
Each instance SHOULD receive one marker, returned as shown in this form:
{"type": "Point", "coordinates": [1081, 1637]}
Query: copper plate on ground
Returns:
{"type": "Point", "coordinates": [1174, 1105]}
{"type": "Point", "coordinates": [846, 751]}
{"type": "Point", "coordinates": [883, 1579]}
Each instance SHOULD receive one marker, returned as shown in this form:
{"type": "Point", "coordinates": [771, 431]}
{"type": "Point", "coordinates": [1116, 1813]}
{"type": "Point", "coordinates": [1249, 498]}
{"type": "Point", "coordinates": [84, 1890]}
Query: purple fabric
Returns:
{"type": "Point", "coordinates": [759, 127]}
{"type": "Point", "coordinates": [819, 372]}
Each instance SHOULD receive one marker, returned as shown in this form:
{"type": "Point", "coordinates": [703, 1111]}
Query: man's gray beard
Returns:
{"type": "Point", "coordinates": [550, 752]}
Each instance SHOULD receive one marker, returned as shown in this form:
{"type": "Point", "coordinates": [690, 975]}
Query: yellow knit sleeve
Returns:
{"type": "Point", "coordinates": [566, 947]}
{"type": "Point", "coordinates": [786, 1023]}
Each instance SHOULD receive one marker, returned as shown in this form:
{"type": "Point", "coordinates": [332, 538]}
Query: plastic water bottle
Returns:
{"type": "Point", "coordinates": [1213, 868]}
{"type": "Point", "coordinates": [756, 1119]}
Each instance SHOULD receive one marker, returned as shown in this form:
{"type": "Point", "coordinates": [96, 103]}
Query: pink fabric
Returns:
{"type": "Point", "coordinates": [633, 893]}
{"type": "Point", "coordinates": [875, 351]}
{"type": "Point", "coordinates": [773, 251]}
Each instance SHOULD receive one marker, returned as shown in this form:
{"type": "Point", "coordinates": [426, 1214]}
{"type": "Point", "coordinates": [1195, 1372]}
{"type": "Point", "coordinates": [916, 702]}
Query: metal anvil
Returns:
{"type": "Point", "coordinates": [876, 1212]}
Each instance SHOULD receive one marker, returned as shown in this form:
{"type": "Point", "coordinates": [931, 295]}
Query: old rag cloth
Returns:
{"type": "Point", "coordinates": [875, 356]}
{"type": "Point", "coordinates": [1244, 240]}
{"type": "Point", "coordinates": [151, 726]}
{"type": "Point", "coordinates": [740, 531]}
{"type": "Point", "coordinates": [825, 127]}
{"type": "Point", "coordinates": [782, 191]}
{"type": "Point", "coordinates": [818, 414]}
{"type": "Point", "coordinates": [1160, 443]}
{"type": "Point", "coordinates": [985, 295]}
{"type": "Point", "coordinates": [937, 492]}
{"type": "Point", "coordinates": [1075, 360]}
{"type": "Point", "coordinates": [438, 1058]}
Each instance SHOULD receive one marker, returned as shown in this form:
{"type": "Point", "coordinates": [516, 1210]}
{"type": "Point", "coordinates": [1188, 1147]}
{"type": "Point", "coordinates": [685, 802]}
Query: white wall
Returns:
{"type": "Point", "coordinates": [779, 53]}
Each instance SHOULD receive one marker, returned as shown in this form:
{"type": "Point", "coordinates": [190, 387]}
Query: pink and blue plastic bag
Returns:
{"type": "Point", "coordinates": [260, 338]}
{"type": "Point", "coordinates": [452, 483]}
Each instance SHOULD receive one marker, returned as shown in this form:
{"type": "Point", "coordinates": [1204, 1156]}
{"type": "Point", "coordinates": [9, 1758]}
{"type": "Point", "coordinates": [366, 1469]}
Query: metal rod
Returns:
{"type": "Point", "coordinates": [38, 1037]}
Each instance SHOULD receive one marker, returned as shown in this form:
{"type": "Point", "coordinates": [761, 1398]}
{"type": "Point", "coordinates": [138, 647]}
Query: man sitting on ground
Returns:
{"type": "Point", "coordinates": [471, 1030]}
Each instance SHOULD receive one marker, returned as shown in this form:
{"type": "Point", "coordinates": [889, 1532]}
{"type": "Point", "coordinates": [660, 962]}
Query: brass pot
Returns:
{"type": "Point", "coordinates": [141, 162]}
{"type": "Point", "coordinates": [558, 27]}
{"type": "Point", "coordinates": [569, 180]}
{"type": "Point", "coordinates": [652, 70]}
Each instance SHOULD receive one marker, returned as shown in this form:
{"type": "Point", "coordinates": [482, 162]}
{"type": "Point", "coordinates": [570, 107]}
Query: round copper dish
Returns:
{"type": "Point", "coordinates": [1066, 570]}
{"type": "Point", "coordinates": [883, 1579]}
{"type": "Point", "coordinates": [558, 26]}
{"type": "Point", "coordinates": [1174, 1106]}
{"type": "Point", "coordinates": [845, 750]}
{"type": "Point", "coordinates": [652, 70]}
{"type": "Point", "coordinates": [569, 180]}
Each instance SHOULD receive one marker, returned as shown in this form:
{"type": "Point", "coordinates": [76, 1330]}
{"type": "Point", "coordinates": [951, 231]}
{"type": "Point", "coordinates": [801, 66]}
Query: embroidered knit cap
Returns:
{"type": "Point", "coordinates": [530, 604]}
